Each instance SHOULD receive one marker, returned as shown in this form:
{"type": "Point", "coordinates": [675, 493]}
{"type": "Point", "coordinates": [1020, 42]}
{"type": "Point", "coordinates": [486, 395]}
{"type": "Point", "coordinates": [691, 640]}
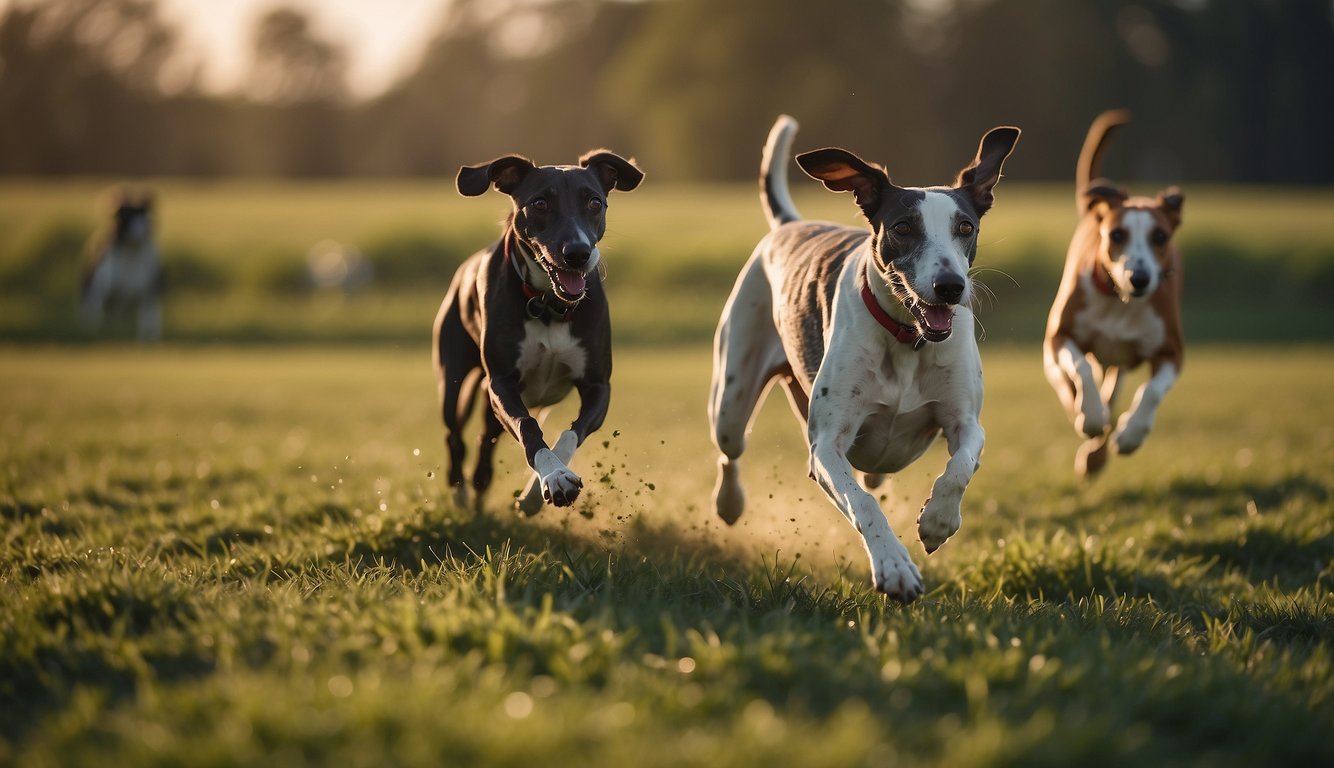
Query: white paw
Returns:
{"type": "Point", "coordinates": [938, 521]}
{"type": "Point", "coordinates": [461, 496]}
{"type": "Point", "coordinates": [896, 576]}
{"type": "Point", "coordinates": [1130, 433]}
{"type": "Point", "coordinates": [561, 487]}
{"type": "Point", "coordinates": [1092, 418]}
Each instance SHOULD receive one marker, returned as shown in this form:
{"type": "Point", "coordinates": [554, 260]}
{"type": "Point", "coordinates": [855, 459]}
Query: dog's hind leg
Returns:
{"type": "Point", "coordinates": [457, 362]}
{"type": "Point", "coordinates": [484, 470]}
{"type": "Point", "coordinates": [748, 354]}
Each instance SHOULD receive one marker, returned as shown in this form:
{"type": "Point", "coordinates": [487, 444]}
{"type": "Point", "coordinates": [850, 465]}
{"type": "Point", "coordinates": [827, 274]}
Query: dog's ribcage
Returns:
{"type": "Point", "coordinates": [550, 360]}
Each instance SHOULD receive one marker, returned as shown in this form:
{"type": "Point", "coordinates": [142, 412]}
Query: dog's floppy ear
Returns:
{"type": "Point", "coordinates": [1170, 201]}
{"type": "Point", "coordinates": [505, 172]}
{"type": "Point", "coordinates": [978, 179]}
{"type": "Point", "coordinates": [842, 171]}
{"type": "Point", "coordinates": [1101, 196]}
{"type": "Point", "coordinates": [612, 170]}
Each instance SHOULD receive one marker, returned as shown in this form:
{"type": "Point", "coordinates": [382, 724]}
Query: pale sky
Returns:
{"type": "Point", "coordinates": [382, 37]}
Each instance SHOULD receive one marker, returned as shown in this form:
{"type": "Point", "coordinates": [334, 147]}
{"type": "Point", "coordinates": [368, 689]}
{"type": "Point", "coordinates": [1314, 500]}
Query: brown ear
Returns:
{"type": "Point", "coordinates": [978, 179]}
{"type": "Point", "coordinates": [842, 171]}
{"type": "Point", "coordinates": [505, 172]}
{"type": "Point", "coordinates": [612, 170]}
{"type": "Point", "coordinates": [1102, 193]}
{"type": "Point", "coordinates": [1170, 201]}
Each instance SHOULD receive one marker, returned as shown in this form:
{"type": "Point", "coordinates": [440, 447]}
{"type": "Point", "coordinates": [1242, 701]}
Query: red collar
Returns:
{"type": "Point", "coordinates": [904, 333]}
{"type": "Point", "coordinates": [1103, 281]}
{"type": "Point", "coordinates": [537, 305]}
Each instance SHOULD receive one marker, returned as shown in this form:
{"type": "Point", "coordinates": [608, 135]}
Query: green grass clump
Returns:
{"type": "Point", "coordinates": [239, 557]}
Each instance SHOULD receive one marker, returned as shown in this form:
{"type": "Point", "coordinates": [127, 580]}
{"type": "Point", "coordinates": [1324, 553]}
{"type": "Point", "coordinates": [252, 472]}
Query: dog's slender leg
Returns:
{"type": "Point", "coordinates": [457, 363]}
{"type": "Point", "coordinates": [892, 569]}
{"type": "Point", "coordinates": [1091, 457]}
{"type": "Point", "coordinates": [1085, 406]}
{"type": "Point", "coordinates": [560, 486]}
{"type": "Point", "coordinates": [1135, 423]}
{"type": "Point", "coordinates": [747, 355]}
{"type": "Point", "coordinates": [483, 471]}
{"type": "Point", "coordinates": [941, 515]}
{"type": "Point", "coordinates": [594, 398]}
{"type": "Point", "coordinates": [150, 320]}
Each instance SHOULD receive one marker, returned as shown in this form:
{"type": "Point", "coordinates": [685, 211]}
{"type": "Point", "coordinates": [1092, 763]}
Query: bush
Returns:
{"type": "Point", "coordinates": [186, 269]}
{"type": "Point", "coordinates": [408, 258]}
{"type": "Point", "coordinates": [50, 263]}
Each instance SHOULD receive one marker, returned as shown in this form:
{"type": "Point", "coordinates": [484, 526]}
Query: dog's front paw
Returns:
{"type": "Point", "coordinates": [1130, 433]}
{"type": "Point", "coordinates": [461, 496]}
{"type": "Point", "coordinates": [937, 522]}
{"type": "Point", "coordinates": [1092, 418]}
{"type": "Point", "coordinates": [897, 577]}
{"type": "Point", "coordinates": [561, 487]}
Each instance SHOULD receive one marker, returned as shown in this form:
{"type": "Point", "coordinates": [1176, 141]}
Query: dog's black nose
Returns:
{"type": "Point", "coordinates": [949, 288]}
{"type": "Point", "coordinates": [576, 255]}
{"type": "Point", "coordinates": [1139, 281]}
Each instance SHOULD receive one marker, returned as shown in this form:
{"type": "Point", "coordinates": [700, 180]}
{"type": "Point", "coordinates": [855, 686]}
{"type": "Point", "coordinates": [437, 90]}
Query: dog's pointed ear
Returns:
{"type": "Point", "coordinates": [612, 170]}
{"type": "Point", "coordinates": [1101, 197]}
{"type": "Point", "coordinates": [978, 179]}
{"type": "Point", "coordinates": [505, 172]}
{"type": "Point", "coordinates": [1170, 201]}
{"type": "Point", "coordinates": [842, 171]}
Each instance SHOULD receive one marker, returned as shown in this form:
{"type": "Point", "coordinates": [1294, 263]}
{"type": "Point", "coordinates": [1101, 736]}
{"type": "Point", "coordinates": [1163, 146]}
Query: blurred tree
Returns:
{"type": "Point", "coordinates": [703, 82]}
{"type": "Point", "coordinates": [77, 82]}
{"type": "Point", "coordinates": [1221, 90]}
{"type": "Point", "coordinates": [292, 64]}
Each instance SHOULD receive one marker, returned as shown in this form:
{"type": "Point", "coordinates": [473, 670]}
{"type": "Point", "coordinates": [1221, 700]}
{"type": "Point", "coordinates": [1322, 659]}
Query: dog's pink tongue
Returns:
{"type": "Point", "coordinates": [571, 283]}
{"type": "Point", "coordinates": [938, 317]}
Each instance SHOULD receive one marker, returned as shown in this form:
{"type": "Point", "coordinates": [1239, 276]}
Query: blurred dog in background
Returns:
{"type": "Point", "coordinates": [125, 272]}
{"type": "Point", "coordinates": [1118, 306]}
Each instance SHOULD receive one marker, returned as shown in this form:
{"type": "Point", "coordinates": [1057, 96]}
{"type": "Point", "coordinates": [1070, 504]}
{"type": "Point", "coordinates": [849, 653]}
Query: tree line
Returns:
{"type": "Point", "coordinates": [1221, 90]}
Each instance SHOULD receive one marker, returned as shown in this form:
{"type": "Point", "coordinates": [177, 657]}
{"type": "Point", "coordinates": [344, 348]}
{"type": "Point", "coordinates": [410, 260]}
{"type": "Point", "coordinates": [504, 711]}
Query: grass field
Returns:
{"type": "Point", "coordinates": [244, 556]}
{"type": "Point", "coordinates": [1260, 261]}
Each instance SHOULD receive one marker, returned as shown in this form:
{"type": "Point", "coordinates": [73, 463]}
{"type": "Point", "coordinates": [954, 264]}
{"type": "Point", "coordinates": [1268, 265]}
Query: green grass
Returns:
{"type": "Point", "coordinates": [1260, 261]}
{"type": "Point", "coordinates": [245, 556]}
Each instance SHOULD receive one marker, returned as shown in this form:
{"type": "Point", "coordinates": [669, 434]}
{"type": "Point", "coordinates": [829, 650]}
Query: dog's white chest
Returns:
{"type": "Point", "coordinates": [898, 424]}
{"type": "Point", "coordinates": [1119, 334]}
{"type": "Point", "coordinates": [550, 360]}
{"type": "Point", "coordinates": [128, 272]}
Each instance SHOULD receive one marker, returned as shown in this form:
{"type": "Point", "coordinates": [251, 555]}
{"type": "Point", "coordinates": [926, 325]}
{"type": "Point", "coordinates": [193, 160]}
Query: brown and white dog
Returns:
{"type": "Point", "coordinates": [1118, 306]}
{"type": "Point", "coordinates": [125, 271]}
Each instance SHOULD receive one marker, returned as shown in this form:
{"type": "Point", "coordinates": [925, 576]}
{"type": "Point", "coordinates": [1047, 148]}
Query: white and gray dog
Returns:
{"type": "Point", "coordinates": [125, 271]}
{"type": "Point", "coordinates": [858, 325]}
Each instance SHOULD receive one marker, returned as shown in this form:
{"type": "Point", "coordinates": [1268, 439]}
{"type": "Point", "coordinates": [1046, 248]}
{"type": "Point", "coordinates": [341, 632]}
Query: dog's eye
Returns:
{"type": "Point", "coordinates": [903, 229]}
{"type": "Point", "coordinates": [966, 228]}
{"type": "Point", "coordinates": [540, 204]}
{"type": "Point", "coordinates": [1159, 237]}
{"type": "Point", "coordinates": [1117, 235]}
{"type": "Point", "coordinates": [594, 204]}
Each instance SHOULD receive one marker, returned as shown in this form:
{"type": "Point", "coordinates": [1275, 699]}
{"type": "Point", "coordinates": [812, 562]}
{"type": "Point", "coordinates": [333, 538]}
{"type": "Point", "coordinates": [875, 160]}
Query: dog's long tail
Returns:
{"type": "Point", "coordinates": [778, 206]}
{"type": "Point", "coordinates": [1090, 157]}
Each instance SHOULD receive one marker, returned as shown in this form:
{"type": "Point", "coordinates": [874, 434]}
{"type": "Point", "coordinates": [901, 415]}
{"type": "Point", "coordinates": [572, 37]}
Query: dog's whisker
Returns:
{"type": "Point", "coordinates": [978, 270]}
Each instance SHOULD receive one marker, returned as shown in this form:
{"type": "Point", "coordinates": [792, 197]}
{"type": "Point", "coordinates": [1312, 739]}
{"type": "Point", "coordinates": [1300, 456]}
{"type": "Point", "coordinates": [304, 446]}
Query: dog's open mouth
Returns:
{"type": "Point", "coordinates": [934, 321]}
{"type": "Point", "coordinates": [568, 284]}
